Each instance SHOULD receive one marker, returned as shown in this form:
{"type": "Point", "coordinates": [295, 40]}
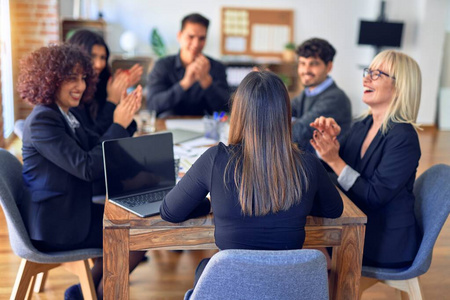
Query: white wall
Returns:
{"type": "Point", "coordinates": [336, 21]}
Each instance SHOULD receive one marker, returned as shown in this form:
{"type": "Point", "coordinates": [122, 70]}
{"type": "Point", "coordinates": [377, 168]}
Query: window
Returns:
{"type": "Point", "coordinates": [6, 68]}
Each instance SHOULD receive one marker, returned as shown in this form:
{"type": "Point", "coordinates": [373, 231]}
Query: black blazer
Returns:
{"type": "Point", "coordinates": [384, 191]}
{"type": "Point", "coordinates": [59, 167]}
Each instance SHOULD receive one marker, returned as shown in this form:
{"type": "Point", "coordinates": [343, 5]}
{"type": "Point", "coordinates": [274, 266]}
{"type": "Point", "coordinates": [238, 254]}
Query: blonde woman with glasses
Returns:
{"type": "Point", "coordinates": [376, 163]}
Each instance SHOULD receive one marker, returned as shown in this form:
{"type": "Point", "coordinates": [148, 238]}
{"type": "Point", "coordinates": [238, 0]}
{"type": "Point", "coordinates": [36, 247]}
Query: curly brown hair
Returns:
{"type": "Point", "coordinates": [43, 71]}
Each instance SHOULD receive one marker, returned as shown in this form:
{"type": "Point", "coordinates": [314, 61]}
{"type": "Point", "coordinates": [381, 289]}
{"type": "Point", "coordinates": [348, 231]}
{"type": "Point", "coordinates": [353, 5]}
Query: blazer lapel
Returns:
{"type": "Point", "coordinates": [308, 102]}
{"type": "Point", "coordinates": [82, 138]}
{"type": "Point", "coordinates": [302, 104]}
{"type": "Point", "coordinates": [372, 147]}
{"type": "Point", "coordinates": [79, 135]}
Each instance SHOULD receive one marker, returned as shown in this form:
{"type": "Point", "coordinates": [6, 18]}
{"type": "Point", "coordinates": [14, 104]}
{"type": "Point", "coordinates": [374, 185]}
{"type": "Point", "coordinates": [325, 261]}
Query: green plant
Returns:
{"type": "Point", "coordinates": [286, 79]}
{"type": "Point", "coordinates": [289, 46]}
{"type": "Point", "coordinates": [157, 43]}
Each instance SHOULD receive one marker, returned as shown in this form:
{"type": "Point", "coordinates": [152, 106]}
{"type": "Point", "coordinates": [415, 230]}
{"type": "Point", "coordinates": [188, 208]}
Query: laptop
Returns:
{"type": "Point", "coordinates": [139, 172]}
{"type": "Point", "coordinates": [183, 135]}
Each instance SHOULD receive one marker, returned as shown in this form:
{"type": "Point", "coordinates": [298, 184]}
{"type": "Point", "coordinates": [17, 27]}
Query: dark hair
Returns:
{"type": "Point", "coordinates": [86, 39]}
{"type": "Point", "coordinates": [196, 19]}
{"type": "Point", "coordinates": [43, 71]}
{"type": "Point", "coordinates": [268, 171]}
{"type": "Point", "coordinates": [317, 48]}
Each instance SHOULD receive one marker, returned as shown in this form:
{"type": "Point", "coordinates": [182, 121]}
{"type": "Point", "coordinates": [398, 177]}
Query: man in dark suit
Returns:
{"type": "Point", "coordinates": [188, 83]}
{"type": "Point", "coordinates": [321, 96]}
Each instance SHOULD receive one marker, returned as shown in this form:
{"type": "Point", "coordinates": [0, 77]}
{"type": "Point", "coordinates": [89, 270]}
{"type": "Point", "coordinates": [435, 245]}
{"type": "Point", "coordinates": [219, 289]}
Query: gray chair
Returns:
{"type": "Point", "coordinates": [259, 274]}
{"type": "Point", "coordinates": [35, 264]}
{"type": "Point", "coordinates": [432, 207]}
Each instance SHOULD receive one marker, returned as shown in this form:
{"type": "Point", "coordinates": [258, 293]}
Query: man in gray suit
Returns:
{"type": "Point", "coordinates": [321, 96]}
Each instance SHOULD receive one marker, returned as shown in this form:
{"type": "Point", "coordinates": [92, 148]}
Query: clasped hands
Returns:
{"type": "Point", "coordinates": [121, 81]}
{"type": "Point", "coordinates": [198, 70]}
{"type": "Point", "coordinates": [324, 139]}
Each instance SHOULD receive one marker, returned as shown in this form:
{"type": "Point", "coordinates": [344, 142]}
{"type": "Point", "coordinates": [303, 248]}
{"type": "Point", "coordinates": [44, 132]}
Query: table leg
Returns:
{"type": "Point", "coordinates": [347, 263]}
{"type": "Point", "coordinates": [116, 264]}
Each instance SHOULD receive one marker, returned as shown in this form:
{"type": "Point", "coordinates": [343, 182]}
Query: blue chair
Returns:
{"type": "Point", "coordinates": [35, 264]}
{"type": "Point", "coordinates": [432, 207]}
{"type": "Point", "coordinates": [259, 274]}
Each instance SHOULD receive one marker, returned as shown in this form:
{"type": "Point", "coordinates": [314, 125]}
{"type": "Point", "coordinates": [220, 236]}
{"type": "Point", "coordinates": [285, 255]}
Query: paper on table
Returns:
{"type": "Point", "coordinates": [188, 155]}
{"type": "Point", "coordinates": [183, 151]}
{"type": "Point", "coordinates": [188, 124]}
{"type": "Point", "coordinates": [202, 141]}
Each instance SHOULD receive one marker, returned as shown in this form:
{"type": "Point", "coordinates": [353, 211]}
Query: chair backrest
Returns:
{"type": "Point", "coordinates": [432, 207]}
{"type": "Point", "coordinates": [128, 62]}
{"type": "Point", "coordinates": [12, 192]}
{"type": "Point", "coordinates": [18, 128]}
{"type": "Point", "coordinates": [259, 274]}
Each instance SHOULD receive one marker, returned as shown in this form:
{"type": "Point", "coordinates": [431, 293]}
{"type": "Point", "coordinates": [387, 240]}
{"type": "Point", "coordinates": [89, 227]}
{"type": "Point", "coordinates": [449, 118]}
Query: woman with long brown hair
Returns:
{"type": "Point", "coordinates": [262, 186]}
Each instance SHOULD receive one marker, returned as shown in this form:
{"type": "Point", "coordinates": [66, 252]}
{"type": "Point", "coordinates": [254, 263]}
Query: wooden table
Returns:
{"type": "Point", "coordinates": [123, 232]}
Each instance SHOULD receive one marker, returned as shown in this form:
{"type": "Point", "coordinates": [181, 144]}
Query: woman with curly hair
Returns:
{"type": "Point", "coordinates": [61, 159]}
{"type": "Point", "coordinates": [98, 113]}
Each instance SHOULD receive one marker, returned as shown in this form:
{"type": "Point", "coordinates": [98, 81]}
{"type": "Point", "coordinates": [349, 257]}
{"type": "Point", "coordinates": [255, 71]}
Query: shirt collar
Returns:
{"type": "Point", "coordinates": [70, 118]}
{"type": "Point", "coordinates": [319, 88]}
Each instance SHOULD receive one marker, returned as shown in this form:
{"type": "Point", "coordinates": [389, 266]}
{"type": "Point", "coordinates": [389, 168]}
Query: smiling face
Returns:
{"type": "Point", "coordinates": [313, 71]}
{"type": "Point", "coordinates": [192, 39]}
{"type": "Point", "coordinates": [380, 92]}
{"type": "Point", "coordinates": [98, 56]}
{"type": "Point", "coordinates": [71, 90]}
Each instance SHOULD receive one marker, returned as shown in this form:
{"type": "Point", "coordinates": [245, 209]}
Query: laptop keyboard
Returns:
{"type": "Point", "coordinates": [134, 201]}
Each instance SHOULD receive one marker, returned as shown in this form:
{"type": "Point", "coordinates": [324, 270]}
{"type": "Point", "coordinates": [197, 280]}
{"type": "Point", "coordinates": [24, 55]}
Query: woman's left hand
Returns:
{"type": "Point", "coordinates": [116, 86]}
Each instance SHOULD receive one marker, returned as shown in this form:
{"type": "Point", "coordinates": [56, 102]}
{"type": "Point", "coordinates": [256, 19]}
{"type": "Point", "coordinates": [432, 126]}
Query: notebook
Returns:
{"type": "Point", "coordinates": [139, 172]}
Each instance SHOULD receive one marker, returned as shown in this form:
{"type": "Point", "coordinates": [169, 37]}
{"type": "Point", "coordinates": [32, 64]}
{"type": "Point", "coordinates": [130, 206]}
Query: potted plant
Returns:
{"type": "Point", "coordinates": [288, 54]}
{"type": "Point", "coordinates": [157, 43]}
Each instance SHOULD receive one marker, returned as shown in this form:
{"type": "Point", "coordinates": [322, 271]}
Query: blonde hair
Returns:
{"type": "Point", "coordinates": [404, 107]}
{"type": "Point", "coordinates": [268, 172]}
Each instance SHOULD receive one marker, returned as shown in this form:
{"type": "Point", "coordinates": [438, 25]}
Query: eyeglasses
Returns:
{"type": "Point", "coordinates": [375, 74]}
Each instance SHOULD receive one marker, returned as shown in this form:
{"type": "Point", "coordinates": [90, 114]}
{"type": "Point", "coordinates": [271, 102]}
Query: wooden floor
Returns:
{"type": "Point", "coordinates": [167, 275]}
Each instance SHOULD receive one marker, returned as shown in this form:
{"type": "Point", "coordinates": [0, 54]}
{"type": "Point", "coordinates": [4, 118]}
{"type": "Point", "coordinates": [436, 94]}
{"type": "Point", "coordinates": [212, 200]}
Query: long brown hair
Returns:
{"type": "Point", "coordinates": [268, 171]}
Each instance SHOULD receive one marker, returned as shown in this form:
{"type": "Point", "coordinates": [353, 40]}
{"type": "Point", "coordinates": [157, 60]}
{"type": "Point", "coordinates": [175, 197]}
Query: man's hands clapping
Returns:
{"type": "Point", "coordinates": [198, 70]}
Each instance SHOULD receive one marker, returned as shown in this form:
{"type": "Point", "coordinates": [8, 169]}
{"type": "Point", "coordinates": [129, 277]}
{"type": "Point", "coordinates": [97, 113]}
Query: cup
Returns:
{"type": "Point", "coordinates": [176, 161]}
{"type": "Point", "coordinates": [213, 128]}
{"type": "Point", "coordinates": [224, 133]}
{"type": "Point", "coordinates": [148, 120]}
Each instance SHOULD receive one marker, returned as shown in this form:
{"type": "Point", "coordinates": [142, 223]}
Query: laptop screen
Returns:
{"type": "Point", "coordinates": [138, 164]}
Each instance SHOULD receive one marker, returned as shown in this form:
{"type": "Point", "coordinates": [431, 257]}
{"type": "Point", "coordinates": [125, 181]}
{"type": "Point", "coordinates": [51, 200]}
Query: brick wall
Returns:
{"type": "Point", "coordinates": [34, 23]}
